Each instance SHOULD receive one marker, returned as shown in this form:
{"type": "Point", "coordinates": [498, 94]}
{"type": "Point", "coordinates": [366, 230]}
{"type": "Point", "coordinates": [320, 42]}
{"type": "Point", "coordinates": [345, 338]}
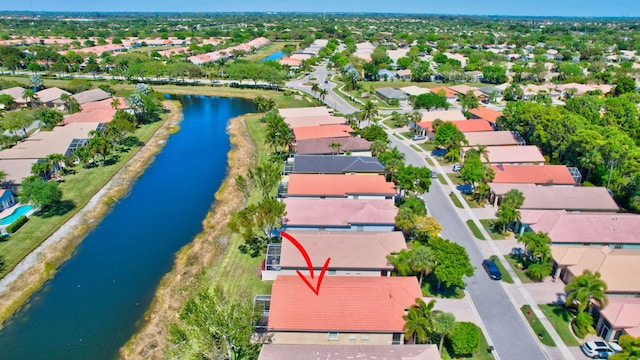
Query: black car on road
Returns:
{"type": "Point", "coordinates": [492, 269]}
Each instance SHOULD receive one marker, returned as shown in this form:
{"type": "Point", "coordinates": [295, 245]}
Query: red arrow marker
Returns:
{"type": "Point", "coordinates": [316, 288]}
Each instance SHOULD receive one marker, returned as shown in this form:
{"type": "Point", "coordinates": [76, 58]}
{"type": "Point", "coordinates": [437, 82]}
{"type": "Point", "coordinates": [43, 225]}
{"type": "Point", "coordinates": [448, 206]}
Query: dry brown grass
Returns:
{"type": "Point", "coordinates": [194, 259]}
{"type": "Point", "coordinates": [54, 254]}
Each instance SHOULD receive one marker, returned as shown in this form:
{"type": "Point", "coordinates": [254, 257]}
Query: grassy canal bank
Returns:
{"type": "Point", "coordinates": [88, 194]}
{"type": "Point", "coordinates": [212, 258]}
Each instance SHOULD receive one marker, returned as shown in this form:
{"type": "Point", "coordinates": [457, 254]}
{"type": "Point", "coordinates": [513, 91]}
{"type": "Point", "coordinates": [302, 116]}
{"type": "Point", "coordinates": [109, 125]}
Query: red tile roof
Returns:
{"type": "Point", "coordinates": [339, 185]}
{"type": "Point", "coordinates": [344, 303]}
{"type": "Point", "coordinates": [472, 125]}
{"type": "Point", "coordinates": [322, 131]}
{"type": "Point", "coordinates": [486, 113]}
{"type": "Point", "coordinates": [533, 174]}
{"type": "Point", "coordinates": [448, 92]}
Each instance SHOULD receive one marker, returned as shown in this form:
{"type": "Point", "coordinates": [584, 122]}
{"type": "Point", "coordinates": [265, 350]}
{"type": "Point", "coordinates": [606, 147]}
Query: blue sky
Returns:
{"type": "Point", "coordinates": [627, 8]}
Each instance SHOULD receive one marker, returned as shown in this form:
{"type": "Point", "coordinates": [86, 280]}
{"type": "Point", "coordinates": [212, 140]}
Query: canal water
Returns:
{"type": "Point", "coordinates": [97, 300]}
{"type": "Point", "coordinates": [275, 56]}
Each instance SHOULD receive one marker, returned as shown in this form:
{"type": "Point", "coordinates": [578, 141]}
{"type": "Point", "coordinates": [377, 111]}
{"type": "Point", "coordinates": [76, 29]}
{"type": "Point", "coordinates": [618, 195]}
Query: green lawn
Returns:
{"type": "Point", "coordinates": [428, 146]}
{"type": "Point", "coordinates": [537, 326]}
{"type": "Point", "coordinates": [441, 178]}
{"type": "Point", "coordinates": [77, 190]}
{"type": "Point", "coordinates": [455, 178]}
{"type": "Point", "coordinates": [472, 203]}
{"type": "Point", "coordinates": [416, 148]}
{"type": "Point", "coordinates": [474, 229]}
{"type": "Point", "coordinates": [488, 225]}
{"type": "Point", "coordinates": [455, 200]}
{"type": "Point", "coordinates": [237, 271]}
{"type": "Point", "coordinates": [482, 354]}
{"type": "Point", "coordinates": [430, 285]}
{"type": "Point", "coordinates": [505, 275]}
{"type": "Point", "coordinates": [560, 318]}
{"type": "Point", "coordinates": [522, 275]}
{"type": "Point", "coordinates": [428, 160]}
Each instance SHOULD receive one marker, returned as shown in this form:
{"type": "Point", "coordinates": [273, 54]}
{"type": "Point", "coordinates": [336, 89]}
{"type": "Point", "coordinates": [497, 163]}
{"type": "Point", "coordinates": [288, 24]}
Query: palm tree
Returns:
{"type": "Point", "coordinates": [468, 101]}
{"type": "Point", "coordinates": [66, 98]}
{"type": "Point", "coordinates": [30, 96]}
{"type": "Point", "coordinates": [115, 103]}
{"type": "Point", "coordinates": [416, 325]}
{"type": "Point", "coordinates": [422, 259]}
{"type": "Point", "coordinates": [419, 321]}
{"type": "Point", "coordinates": [42, 169]}
{"type": "Point", "coordinates": [443, 324]}
{"type": "Point", "coordinates": [507, 215]}
{"type": "Point", "coordinates": [57, 160]}
{"type": "Point", "coordinates": [369, 111]}
{"type": "Point", "coordinates": [378, 147]}
{"type": "Point", "coordinates": [513, 198]}
{"type": "Point", "coordinates": [393, 160]}
{"type": "Point", "coordinates": [323, 94]}
{"type": "Point", "coordinates": [583, 289]}
{"type": "Point", "coordinates": [315, 87]}
{"type": "Point", "coordinates": [400, 262]}
{"type": "Point", "coordinates": [335, 147]}
{"type": "Point", "coordinates": [406, 220]}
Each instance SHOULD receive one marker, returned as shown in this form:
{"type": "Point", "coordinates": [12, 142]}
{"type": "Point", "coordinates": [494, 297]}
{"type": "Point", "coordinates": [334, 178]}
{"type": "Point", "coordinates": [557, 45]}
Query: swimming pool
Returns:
{"type": "Point", "coordinates": [19, 211]}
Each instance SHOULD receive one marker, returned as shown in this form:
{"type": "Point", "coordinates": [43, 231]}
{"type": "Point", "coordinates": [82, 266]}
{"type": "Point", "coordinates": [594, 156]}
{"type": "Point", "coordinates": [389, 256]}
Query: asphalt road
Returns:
{"type": "Point", "coordinates": [331, 99]}
{"type": "Point", "coordinates": [508, 333]}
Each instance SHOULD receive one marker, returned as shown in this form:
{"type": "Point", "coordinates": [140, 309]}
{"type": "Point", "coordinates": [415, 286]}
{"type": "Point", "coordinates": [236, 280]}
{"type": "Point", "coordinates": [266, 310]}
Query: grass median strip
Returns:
{"type": "Point", "coordinates": [505, 275]}
{"type": "Point", "coordinates": [537, 326]}
{"type": "Point", "coordinates": [474, 230]}
{"type": "Point", "coordinates": [455, 200]}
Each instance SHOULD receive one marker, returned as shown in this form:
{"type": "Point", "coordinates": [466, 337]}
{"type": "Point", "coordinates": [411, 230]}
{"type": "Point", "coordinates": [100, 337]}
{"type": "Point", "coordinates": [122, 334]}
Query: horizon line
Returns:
{"type": "Point", "coordinates": [320, 13]}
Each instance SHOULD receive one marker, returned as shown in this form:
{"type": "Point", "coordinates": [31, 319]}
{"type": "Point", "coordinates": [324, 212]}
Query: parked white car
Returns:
{"type": "Point", "coordinates": [599, 349]}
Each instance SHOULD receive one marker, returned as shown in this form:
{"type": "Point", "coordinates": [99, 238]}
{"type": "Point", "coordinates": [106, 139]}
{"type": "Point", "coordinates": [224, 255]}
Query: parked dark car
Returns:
{"type": "Point", "coordinates": [492, 269]}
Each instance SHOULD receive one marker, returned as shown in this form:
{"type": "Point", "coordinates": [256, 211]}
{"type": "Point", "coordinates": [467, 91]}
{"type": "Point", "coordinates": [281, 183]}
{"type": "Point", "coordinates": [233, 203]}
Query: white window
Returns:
{"type": "Point", "coordinates": [334, 336]}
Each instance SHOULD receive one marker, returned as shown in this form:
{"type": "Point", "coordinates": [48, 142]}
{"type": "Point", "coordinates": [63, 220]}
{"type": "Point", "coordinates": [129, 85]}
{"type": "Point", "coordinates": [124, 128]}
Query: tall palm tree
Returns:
{"type": "Point", "coordinates": [66, 98]}
{"type": "Point", "coordinates": [419, 321]}
{"type": "Point", "coordinates": [315, 87]}
{"type": "Point", "coordinates": [378, 147]}
{"type": "Point", "coordinates": [583, 289]}
{"type": "Point", "coordinates": [443, 324]}
{"type": "Point", "coordinates": [30, 96]}
{"type": "Point", "coordinates": [57, 160]}
{"type": "Point", "coordinates": [422, 259]}
{"type": "Point", "coordinates": [323, 94]}
{"type": "Point", "coordinates": [369, 111]}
